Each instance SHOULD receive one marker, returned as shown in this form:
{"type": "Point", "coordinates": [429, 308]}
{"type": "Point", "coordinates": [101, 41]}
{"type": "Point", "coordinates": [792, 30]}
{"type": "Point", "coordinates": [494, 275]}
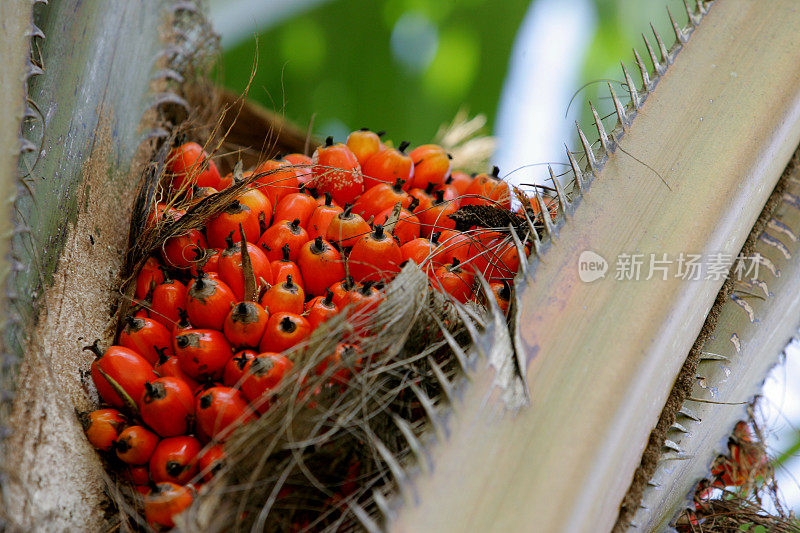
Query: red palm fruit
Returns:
{"type": "Point", "coordinates": [166, 501]}
{"type": "Point", "coordinates": [387, 166]}
{"type": "Point", "coordinates": [146, 337]}
{"type": "Point", "coordinates": [135, 445]}
{"type": "Point", "coordinates": [436, 217]}
{"type": "Point", "coordinates": [276, 183]}
{"type": "Point", "coordinates": [381, 197]}
{"type": "Point", "coordinates": [245, 324]}
{"type": "Point", "coordinates": [262, 374]}
{"type": "Point", "coordinates": [453, 280]}
{"type": "Point", "coordinates": [449, 194]}
{"type": "Point", "coordinates": [208, 302]}
{"type": "Point", "coordinates": [364, 301]}
{"type": "Point", "coordinates": [206, 260]}
{"type": "Point", "coordinates": [163, 213]}
{"type": "Point", "coordinates": [482, 251]}
{"type": "Point", "coordinates": [137, 475]}
{"type": "Point", "coordinates": [502, 294]}
{"type": "Point", "coordinates": [168, 297]}
{"type": "Point", "coordinates": [407, 227]}
{"type": "Point", "coordinates": [210, 461]}
{"type": "Point", "coordinates": [452, 244]}
{"type": "Point", "coordinates": [202, 353]}
{"type": "Point", "coordinates": [183, 322]}
{"type": "Point", "coordinates": [431, 165]}
{"type": "Point", "coordinates": [231, 271]}
{"type": "Point", "coordinates": [261, 206]}
{"type": "Point", "coordinates": [320, 220]}
{"type": "Point", "coordinates": [297, 159]}
{"type": "Point", "coordinates": [279, 235]}
{"type": "Point", "coordinates": [320, 309]}
{"type": "Point", "coordinates": [504, 261]}
{"type": "Point", "coordinates": [220, 410]}
{"type": "Point", "coordinates": [221, 225]}
{"type": "Point", "coordinates": [346, 228]}
{"type": "Point", "coordinates": [149, 276]}
{"type": "Point", "coordinates": [489, 190]}
{"type": "Point", "coordinates": [181, 251]}
{"type": "Point", "coordinates": [119, 375]}
{"type": "Point", "coordinates": [170, 367]}
{"type": "Point", "coordinates": [284, 267]}
{"type": "Point", "coordinates": [534, 209]}
{"type": "Point", "coordinates": [460, 181]}
{"type": "Point", "coordinates": [167, 406]}
{"type": "Point", "coordinates": [363, 143]}
{"type": "Point", "coordinates": [102, 427]}
{"type": "Point", "coordinates": [424, 196]}
{"type": "Point", "coordinates": [374, 257]}
{"type": "Point", "coordinates": [293, 206]}
{"type": "Point", "coordinates": [420, 250]}
{"type": "Point", "coordinates": [341, 291]}
{"type": "Point", "coordinates": [284, 330]}
{"type": "Point", "coordinates": [346, 359]}
{"type": "Point", "coordinates": [175, 459]}
{"type": "Point", "coordinates": [190, 165]}
{"type": "Point", "coordinates": [287, 296]}
{"type": "Point", "coordinates": [234, 368]}
{"type": "Point", "coordinates": [321, 266]}
{"type": "Point", "coordinates": [336, 170]}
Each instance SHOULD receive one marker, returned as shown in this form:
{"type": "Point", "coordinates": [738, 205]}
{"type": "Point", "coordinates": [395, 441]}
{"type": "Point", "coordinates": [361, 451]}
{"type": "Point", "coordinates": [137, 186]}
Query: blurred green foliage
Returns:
{"type": "Point", "coordinates": [336, 63]}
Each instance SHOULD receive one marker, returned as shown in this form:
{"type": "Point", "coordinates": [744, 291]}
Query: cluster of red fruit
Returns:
{"type": "Point", "coordinates": [218, 308]}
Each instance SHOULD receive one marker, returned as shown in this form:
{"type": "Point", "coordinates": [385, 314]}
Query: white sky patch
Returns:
{"type": "Point", "coordinates": [544, 70]}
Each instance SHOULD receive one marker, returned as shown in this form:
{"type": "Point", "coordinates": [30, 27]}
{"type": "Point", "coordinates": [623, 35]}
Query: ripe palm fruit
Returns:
{"type": "Point", "coordinates": [297, 205]}
{"type": "Point", "coordinates": [168, 296]}
{"type": "Point", "coordinates": [436, 217]}
{"type": "Point", "coordinates": [387, 166]}
{"type": "Point", "coordinates": [281, 234]}
{"type": "Point", "coordinates": [287, 296]}
{"type": "Point", "coordinates": [346, 360]}
{"type": "Point", "coordinates": [261, 375]}
{"type": "Point", "coordinates": [245, 324]}
{"type": "Point", "coordinates": [489, 190]}
{"type": "Point", "coordinates": [146, 337]}
{"type": "Point", "coordinates": [278, 181]}
{"type": "Point", "coordinates": [190, 165]}
{"type": "Point", "coordinates": [284, 330]}
{"type": "Point", "coordinates": [502, 294]}
{"type": "Point", "coordinates": [202, 353]}
{"type": "Point", "coordinates": [170, 366]}
{"type": "Point", "coordinates": [320, 309]}
{"type": "Point", "coordinates": [420, 250]}
{"type": "Point", "coordinates": [346, 228]}
{"type": "Point", "coordinates": [167, 406]}
{"type": "Point", "coordinates": [164, 502]}
{"type": "Point", "coordinates": [208, 302]}
{"type": "Point", "coordinates": [102, 427]}
{"type": "Point", "coordinates": [453, 280]}
{"type": "Point", "coordinates": [321, 266]}
{"type": "Point", "coordinates": [336, 170]}
{"type": "Point", "coordinates": [210, 461]}
{"type": "Point", "coordinates": [135, 445]}
{"type": "Point", "coordinates": [380, 198]}
{"type": "Point", "coordinates": [341, 291]}
{"type": "Point", "coordinates": [431, 165]}
{"type": "Point", "coordinates": [180, 251]}
{"type": "Point", "coordinates": [119, 375]}
{"type": "Point", "coordinates": [234, 368]}
{"type": "Point", "coordinates": [175, 459]}
{"type": "Point", "coordinates": [149, 276]}
{"type": "Point", "coordinates": [227, 221]}
{"type": "Point", "coordinates": [284, 267]}
{"type": "Point", "coordinates": [362, 304]}
{"type": "Point", "coordinates": [460, 181]}
{"type": "Point", "coordinates": [231, 270]}
{"type": "Point", "coordinates": [220, 410]}
{"type": "Point", "coordinates": [320, 219]}
{"type": "Point", "coordinates": [375, 257]}
{"type": "Point", "coordinates": [407, 228]}
{"type": "Point", "coordinates": [363, 143]}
